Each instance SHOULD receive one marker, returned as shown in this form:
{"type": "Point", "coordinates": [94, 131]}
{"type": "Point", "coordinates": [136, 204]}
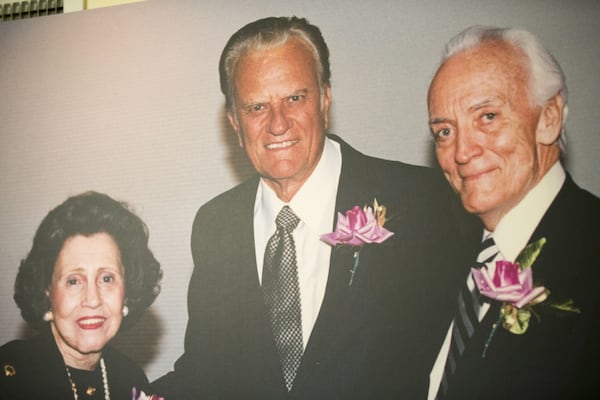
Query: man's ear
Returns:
{"type": "Point", "coordinates": [325, 106]}
{"type": "Point", "coordinates": [236, 127]}
{"type": "Point", "coordinates": [550, 122]}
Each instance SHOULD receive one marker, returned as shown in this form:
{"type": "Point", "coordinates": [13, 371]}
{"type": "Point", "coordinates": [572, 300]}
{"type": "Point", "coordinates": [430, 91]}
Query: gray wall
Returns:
{"type": "Point", "coordinates": [125, 100]}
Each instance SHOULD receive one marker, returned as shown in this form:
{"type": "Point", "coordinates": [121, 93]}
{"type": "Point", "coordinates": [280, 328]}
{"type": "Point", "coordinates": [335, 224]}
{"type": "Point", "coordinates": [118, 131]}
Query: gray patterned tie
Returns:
{"type": "Point", "coordinates": [465, 317]}
{"type": "Point", "coordinates": [282, 294]}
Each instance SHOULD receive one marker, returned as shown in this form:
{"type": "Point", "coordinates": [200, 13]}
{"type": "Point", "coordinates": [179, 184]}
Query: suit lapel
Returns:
{"type": "Point", "coordinates": [331, 321]}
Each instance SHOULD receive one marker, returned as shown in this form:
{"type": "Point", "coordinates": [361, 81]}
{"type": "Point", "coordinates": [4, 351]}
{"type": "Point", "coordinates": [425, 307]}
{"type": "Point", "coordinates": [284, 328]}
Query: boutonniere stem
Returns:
{"type": "Point", "coordinates": [355, 266]}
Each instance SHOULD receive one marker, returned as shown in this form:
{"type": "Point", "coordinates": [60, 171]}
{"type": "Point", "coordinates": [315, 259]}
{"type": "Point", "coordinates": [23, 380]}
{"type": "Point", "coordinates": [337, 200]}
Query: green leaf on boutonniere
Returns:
{"type": "Point", "coordinates": [527, 257]}
{"type": "Point", "coordinates": [516, 320]}
{"type": "Point", "coordinates": [568, 305]}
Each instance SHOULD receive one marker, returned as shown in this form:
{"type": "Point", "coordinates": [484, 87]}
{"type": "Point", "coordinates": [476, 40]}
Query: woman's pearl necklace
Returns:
{"type": "Point", "coordinates": [104, 381]}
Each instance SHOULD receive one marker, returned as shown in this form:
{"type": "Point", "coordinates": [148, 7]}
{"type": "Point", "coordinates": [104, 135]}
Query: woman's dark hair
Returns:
{"type": "Point", "coordinates": [87, 214]}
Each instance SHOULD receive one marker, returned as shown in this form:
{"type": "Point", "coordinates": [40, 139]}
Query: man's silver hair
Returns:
{"type": "Point", "coordinates": [268, 33]}
{"type": "Point", "coordinates": [546, 77]}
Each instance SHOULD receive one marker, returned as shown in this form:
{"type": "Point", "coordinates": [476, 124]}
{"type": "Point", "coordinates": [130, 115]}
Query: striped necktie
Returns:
{"type": "Point", "coordinates": [465, 316]}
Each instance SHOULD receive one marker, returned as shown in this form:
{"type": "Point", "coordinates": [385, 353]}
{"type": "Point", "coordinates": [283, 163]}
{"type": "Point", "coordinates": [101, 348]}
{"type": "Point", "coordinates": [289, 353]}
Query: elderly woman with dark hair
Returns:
{"type": "Point", "coordinates": [89, 273]}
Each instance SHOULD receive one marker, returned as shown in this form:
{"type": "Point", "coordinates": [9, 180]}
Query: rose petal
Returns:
{"type": "Point", "coordinates": [526, 278]}
{"type": "Point", "coordinates": [356, 228]}
{"type": "Point", "coordinates": [510, 284]}
{"type": "Point", "coordinates": [518, 289]}
{"type": "Point", "coordinates": [356, 218]}
{"type": "Point", "coordinates": [530, 296]}
{"type": "Point", "coordinates": [482, 279]}
{"type": "Point", "coordinates": [511, 297]}
{"type": "Point", "coordinates": [373, 233]}
{"type": "Point", "coordinates": [355, 241]}
{"type": "Point", "coordinates": [382, 234]}
{"type": "Point", "coordinates": [506, 273]}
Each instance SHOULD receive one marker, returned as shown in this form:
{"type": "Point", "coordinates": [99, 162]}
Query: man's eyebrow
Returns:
{"type": "Point", "coordinates": [483, 104]}
{"type": "Point", "coordinates": [477, 106]}
{"type": "Point", "coordinates": [439, 120]}
{"type": "Point", "coordinates": [250, 104]}
{"type": "Point", "coordinates": [297, 92]}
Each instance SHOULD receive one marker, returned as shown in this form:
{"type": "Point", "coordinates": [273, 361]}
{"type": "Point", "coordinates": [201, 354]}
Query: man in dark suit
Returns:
{"type": "Point", "coordinates": [361, 308]}
{"type": "Point", "coordinates": [497, 110]}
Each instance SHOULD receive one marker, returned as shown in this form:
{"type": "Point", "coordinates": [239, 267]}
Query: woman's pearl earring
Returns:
{"type": "Point", "coordinates": [48, 316]}
{"type": "Point", "coordinates": [125, 311]}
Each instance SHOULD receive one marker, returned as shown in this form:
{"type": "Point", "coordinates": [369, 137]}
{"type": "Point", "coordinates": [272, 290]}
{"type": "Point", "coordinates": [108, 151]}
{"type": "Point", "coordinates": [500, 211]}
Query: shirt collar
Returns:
{"type": "Point", "coordinates": [517, 226]}
{"type": "Point", "coordinates": [320, 188]}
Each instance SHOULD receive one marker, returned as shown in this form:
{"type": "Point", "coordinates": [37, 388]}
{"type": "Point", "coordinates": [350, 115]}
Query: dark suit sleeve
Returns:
{"type": "Point", "coordinates": [194, 371]}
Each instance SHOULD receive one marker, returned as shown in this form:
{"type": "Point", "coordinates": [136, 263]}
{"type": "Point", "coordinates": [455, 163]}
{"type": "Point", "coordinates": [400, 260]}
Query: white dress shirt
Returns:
{"type": "Point", "coordinates": [314, 204]}
{"type": "Point", "coordinates": [511, 236]}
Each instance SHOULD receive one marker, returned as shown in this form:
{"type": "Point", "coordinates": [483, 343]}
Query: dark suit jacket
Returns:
{"type": "Point", "coordinates": [557, 357]}
{"type": "Point", "coordinates": [40, 372]}
{"type": "Point", "coordinates": [367, 341]}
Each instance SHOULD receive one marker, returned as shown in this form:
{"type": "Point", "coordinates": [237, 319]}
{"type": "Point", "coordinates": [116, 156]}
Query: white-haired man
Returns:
{"type": "Point", "coordinates": [497, 108]}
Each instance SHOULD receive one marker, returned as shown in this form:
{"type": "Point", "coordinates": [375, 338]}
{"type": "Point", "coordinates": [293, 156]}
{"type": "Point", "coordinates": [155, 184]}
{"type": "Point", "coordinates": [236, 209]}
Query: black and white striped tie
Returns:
{"type": "Point", "coordinates": [465, 317]}
{"type": "Point", "coordinates": [281, 293]}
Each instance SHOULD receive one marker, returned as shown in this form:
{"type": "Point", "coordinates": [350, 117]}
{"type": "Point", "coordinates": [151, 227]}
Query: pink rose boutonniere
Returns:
{"type": "Point", "coordinates": [512, 283]}
{"type": "Point", "coordinates": [357, 227]}
{"type": "Point", "coordinates": [144, 396]}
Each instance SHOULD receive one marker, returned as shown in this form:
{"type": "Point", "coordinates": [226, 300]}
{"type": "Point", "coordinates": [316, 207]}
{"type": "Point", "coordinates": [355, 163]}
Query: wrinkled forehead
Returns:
{"type": "Point", "coordinates": [301, 50]}
{"type": "Point", "coordinates": [275, 68]}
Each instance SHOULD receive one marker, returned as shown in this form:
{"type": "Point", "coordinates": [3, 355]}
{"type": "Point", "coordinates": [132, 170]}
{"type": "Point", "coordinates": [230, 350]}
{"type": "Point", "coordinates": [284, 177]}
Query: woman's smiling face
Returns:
{"type": "Point", "coordinates": [87, 294]}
